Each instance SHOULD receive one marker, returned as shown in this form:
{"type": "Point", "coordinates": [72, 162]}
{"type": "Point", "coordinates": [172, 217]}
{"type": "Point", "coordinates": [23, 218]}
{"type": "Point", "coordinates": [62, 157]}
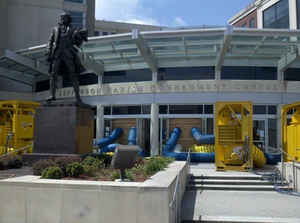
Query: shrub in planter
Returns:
{"type": "Point", "coordinates": [90, 170]}
{"type": "Point", "coordinates": [116, 175]}
{"type": "Point", "coordinates": [3, 164]}
{"type": "Point", "coordinates": [91, 161]}
{"type": "Point", "coordinates": [63, 162]}
{"type": "Point", "coordinates": [52, 173]}
{"type": "Point", "coordinates": [74, 169]}
{"type": "Point", "coordinates": [156, 164]}
{"type": "Point", "coordinates": [14, 161]}
{"type": "Point", "coordinates": [106, 159]}
{"type": "Point", "coordinates": [40, 165]}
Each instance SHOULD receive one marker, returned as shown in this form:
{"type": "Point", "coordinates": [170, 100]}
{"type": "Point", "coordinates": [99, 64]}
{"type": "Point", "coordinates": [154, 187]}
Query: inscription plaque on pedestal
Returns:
{"type": "Point", "coordinates": [63, 129]}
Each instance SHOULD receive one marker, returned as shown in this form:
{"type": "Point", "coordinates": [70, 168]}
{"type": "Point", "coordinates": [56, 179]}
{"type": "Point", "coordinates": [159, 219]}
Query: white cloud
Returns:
{"type": "Point", "coordinates": [179, 22]}
{"type": "Point", "coordinates": [123, 11]}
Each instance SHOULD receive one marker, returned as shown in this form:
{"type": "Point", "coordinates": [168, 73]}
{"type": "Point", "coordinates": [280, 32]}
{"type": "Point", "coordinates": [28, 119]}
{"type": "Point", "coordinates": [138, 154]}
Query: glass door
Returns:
{"type": "Point", "coordinates": [260, 134]}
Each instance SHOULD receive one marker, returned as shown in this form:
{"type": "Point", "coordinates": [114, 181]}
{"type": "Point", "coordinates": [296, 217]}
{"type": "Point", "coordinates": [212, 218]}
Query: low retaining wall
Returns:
{"type": "Point", "coordinates": [291, 174]}
{"type": "Point", "coordinates": [29, 199]}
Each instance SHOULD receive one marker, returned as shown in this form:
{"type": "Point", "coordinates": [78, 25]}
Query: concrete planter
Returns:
{"type": "Point", "coordinates": [32, 200]}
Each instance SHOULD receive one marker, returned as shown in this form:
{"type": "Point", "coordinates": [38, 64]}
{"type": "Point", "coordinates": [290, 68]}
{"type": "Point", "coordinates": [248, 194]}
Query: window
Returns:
{"type": "Point", "coordinates": [298, 14]}
{"type": "Point", "coordinates": [249, 73]}
{"type": "Point", "coordinates": [252, 23]}
{"type": "Point", "coordinates": [186, 109]}
{"type": "Point", "coordinates": [277, 16]}
{"type": "Point", "coordinates": [259, 109]}
{"type": "Point", "coordinates": [244, 25]}
{"type": "Point", "coordinates": [77, 19]}
{"type": "Point", "coordinates": [75, 1]}
{"type": "Point", "coordinates": [127, 76]}
{"type": "Point", "coordinates": [272, 133]}
{"type": "Point", "coordinates": [292, 74]}
{"type": "Point", "coordinates": [96, 33]}
{"type": "Point", "coordinates": [163, 109]}
{"type": "Point", "coordinates": [126, 110]}
{"type": "Point", "coordinates": [187, 73]}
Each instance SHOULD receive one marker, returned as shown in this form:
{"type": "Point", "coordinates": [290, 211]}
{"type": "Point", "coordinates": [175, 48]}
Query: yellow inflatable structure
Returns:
{"type": "Point", "coordinates": [16, 125]}
{"type": "Point", "coordinates": [290, 115]}
{"type": "Point", "coordinates": [234, 149]}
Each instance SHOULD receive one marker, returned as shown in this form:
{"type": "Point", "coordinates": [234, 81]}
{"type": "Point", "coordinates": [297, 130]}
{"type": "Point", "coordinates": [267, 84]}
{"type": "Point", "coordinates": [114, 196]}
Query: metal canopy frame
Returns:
{"type": "Point", "coordinates": [228, 46]}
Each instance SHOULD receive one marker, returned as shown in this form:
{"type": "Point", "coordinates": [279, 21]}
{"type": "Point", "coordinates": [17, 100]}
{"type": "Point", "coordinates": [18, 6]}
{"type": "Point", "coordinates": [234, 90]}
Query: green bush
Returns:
{"type": "Point", "coordinates": [40, 165]}
{"type": "Point", "coordinates": [52, 173]}
{"type": "Point", "coordinates": [91, 161]}
{"type": "Point", "coordinates": [63, 162]}
{"type": "Point", "coordinates": [156, 164]}
{"type": "Point", "coordinates": [3, 164]}
{"type": "Point", "coordinates": [14, 161]}
{"type": "Point", "coordinates": [90, 170]}
{"type": "Point", "coordinates": [74, 169]}
{"type": "Point", "coordinates": [11, 162]}
{"type": "Point", "coordinates": [105, 159]}
{"type": "Point", "coordinates": [116, 175]}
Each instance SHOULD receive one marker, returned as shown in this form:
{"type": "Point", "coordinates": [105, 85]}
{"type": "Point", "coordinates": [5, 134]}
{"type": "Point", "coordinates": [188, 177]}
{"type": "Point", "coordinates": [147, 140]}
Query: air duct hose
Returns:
{"type": "Point", "coordinates": [116, 133]}
{"type": "Point", "coordinates": [202, 139]}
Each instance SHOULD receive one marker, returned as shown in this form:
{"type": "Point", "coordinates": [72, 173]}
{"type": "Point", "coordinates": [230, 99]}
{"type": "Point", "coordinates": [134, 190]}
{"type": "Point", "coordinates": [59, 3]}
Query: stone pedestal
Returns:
{"type": "Point", "coordinates": [63, 129]}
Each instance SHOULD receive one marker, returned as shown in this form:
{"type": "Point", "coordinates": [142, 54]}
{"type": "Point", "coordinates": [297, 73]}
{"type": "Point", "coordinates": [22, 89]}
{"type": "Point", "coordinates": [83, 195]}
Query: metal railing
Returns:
{"type": "Point", "coordinates": [279, 176]}
{"type": "Point", "coordinates": [175, 204]}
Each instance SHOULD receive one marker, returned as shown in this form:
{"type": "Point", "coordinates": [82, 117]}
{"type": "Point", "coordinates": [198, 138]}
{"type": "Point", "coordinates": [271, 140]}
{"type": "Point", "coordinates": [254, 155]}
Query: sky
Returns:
{"type": "Point", "coordinates": [171, 13]}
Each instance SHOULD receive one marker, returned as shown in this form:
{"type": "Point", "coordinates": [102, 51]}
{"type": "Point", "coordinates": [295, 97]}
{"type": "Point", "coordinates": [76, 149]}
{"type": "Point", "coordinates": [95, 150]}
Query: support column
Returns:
{"type": "Point", "coordinates": [154, 129]}
{"type": "Point", "coordinates": [100, 80]}
{"type": "Point", "coordinates": [154, 77]}
{"type": "Point", "coordinates": [217, 74]}
{"type": "Point", "coordinates": [100, 122]}
{"type": "Point", "coordinates": [280, 75]}
{"type": "Point", "coordinates": [279, 130]}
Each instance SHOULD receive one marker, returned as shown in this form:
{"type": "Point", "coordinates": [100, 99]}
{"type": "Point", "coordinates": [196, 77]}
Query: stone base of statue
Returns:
{"type": "Point", "coordinates": [63, 128]}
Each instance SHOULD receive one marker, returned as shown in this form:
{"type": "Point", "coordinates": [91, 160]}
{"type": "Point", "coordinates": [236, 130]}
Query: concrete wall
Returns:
{"type": "Point", "coordinates": [291, 174]}
{"type": "Point", "coordinates": [3, 25]}
{"type": "Point", "coordinates": [6, 95]}
{"type": "Point", "coordinates": [31, 200]}
{"type": "Point", "coordinates": [29, 22]}
{"type": "Point", "coordinates": [90, 16]}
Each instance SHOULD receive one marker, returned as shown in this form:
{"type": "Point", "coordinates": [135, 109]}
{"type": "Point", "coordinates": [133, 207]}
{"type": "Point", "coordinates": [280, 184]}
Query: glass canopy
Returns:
{"type": "Point", "coordinates": [228, 46]}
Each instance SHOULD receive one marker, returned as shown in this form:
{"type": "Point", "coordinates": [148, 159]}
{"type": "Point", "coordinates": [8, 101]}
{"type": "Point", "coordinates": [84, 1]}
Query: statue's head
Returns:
{"type": "Point", "coordinates": [65, 19]}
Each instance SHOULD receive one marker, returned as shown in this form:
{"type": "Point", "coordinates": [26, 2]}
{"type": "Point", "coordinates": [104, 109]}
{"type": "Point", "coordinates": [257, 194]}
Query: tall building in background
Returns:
{"type": "Point", "coordinates": [275, 14]}
{"type": "Point", "coordinates": [26, 23]}
{"type": "Point", "coordinates": [103, 28]}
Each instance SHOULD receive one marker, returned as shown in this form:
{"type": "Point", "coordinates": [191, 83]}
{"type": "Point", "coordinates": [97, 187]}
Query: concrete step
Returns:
{"type": "Point", "coordinates": [241, 219]}
{"type": "Point", "coordinates": [229, 182]}
{"type": "Point", "coordinates": [232, 187]}
{"type": "Point", "coordinates": [228, 177]}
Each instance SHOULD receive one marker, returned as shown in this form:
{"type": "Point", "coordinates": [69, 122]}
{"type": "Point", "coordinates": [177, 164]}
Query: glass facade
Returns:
{"type": "Point", "coordinates": [277, 16]}
{"type": "Point", "coordinates": [127, 76]}
{"type": "Point", "coordinates": [249, 73]}
{"type": "Point", "coordinates": [76, 1]}
{"type": "Point", "coordinates": [292, 74]}
{"type": "Point", "coordinates": [252, 23]}
{"type": "Point", "coordinates": [187, 73]}
{"type": "Point", "coordinates": [78, 19]}
{"type": "Point", "coordinates": [298, 14]}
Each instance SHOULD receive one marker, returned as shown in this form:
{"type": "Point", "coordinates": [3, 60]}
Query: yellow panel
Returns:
{"type": "Point", "coordinates": [233, 136]}
{"type": "Point", "coordinates": [16, 124]}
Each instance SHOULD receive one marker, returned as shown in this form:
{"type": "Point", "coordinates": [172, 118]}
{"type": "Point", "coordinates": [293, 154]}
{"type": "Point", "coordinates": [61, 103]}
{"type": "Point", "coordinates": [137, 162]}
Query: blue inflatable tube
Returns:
{"type": "Point", "coordinates": [202, 139]}
{"type": "Point", "coordinates": [273, 159]}
{"type": "Point", "coordinates": [132, 136]}
{"type": "Point", "coordinates": [168, 150]}
{"type": "Point", "coordinates": [116, 133]}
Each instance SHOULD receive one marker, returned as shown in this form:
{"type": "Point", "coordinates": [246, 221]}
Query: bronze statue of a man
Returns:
{"type": "Point", "coordinates": [62, 54]}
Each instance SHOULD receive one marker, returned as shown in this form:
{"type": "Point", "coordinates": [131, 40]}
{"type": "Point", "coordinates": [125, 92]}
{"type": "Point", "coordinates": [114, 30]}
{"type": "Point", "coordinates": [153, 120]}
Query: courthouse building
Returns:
{"type": "Point", "coordinates": [158, 80]}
